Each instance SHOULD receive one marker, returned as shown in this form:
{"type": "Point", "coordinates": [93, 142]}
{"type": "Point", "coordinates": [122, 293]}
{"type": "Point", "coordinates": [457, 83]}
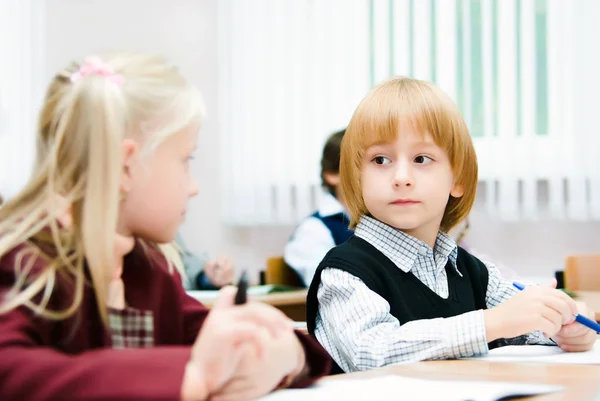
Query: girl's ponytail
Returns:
{"type": "Point", "coordinates": [99, 111]}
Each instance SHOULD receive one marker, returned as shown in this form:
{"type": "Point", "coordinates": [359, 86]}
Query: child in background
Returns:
{"type": "Point", "coordinates": [328, 226]}
{"type": "Point", "coordinates": [202, 273]}
{"type": "Point", "coordinates": [90, 305]}
{"type": "Point", "coordinates": [401, 290]}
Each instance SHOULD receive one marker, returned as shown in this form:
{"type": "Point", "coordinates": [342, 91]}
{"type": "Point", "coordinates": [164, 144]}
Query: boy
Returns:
{"type": "Point", "coordinates": [401, 290]}
{"type": "Point", "coordinates": [328, 226]}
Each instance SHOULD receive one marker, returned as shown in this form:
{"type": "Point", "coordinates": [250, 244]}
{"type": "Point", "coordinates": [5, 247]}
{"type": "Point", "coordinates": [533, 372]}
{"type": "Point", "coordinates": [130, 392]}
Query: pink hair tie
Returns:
{"type": "Point", "coordinates": [94, 65]}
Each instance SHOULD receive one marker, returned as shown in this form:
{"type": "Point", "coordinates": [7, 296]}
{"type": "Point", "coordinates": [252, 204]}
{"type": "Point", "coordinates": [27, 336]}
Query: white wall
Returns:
{"type": "Point", "coordinates": [185, 30]}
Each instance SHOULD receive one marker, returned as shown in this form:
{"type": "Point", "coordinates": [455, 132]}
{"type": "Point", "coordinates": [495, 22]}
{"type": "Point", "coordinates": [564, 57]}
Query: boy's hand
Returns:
{"type": "Point", "coordinates": [535, 308]}
{"type": "Point", "coordinates": [575, 337]}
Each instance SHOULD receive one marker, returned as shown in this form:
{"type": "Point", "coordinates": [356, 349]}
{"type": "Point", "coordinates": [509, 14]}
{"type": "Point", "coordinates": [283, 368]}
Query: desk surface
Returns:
{"type": "Point", "coordinates": [293, 303]}
{"type": "Point", "coordinates": [582, 382]}
{"type": "Point", "coordinates": [297, 297]}
{"type": "Point", "coordinates": [592, 299]}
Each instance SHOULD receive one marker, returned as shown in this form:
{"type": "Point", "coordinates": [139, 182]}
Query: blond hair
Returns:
{"type": "Point", "coordinates": [81, 128]}
{"type": "Point", "coordinates": [377, 120]}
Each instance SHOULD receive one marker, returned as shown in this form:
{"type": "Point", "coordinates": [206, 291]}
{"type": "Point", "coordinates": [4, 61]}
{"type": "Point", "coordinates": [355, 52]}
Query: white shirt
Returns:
{"type": "Point", "coordinates": [312, 240]}
{"type": "Point", "coordinates": [355, 326]}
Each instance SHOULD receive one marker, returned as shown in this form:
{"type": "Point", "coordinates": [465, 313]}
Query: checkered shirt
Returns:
{"type": "Point", "coordinates": [131, 328]}
{"type": "Point", "coordinates": [355, 326]}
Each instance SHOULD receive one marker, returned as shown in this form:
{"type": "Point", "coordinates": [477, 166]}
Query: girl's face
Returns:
{"type": "Point", "coordinates": [158, 187]}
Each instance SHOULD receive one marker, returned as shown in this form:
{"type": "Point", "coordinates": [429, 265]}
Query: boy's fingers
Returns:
{"type": "Point", "coordinates": [574, 329]}
{"type": "Point", "coordinates": [560, 306]}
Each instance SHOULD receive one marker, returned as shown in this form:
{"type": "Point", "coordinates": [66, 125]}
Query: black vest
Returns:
{"type": "Point", "coordinates": [409, 298]}
{"type": "Point", "coordinates": [337, 224]}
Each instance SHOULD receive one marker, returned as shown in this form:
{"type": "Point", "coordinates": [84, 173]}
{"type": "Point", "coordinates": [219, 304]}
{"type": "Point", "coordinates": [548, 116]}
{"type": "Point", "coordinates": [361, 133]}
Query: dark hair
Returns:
{"type": "Point", "coordinates": [330, 160]}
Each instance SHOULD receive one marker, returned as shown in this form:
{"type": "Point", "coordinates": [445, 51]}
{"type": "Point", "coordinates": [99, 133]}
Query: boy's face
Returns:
{"type": "Point", "coordinates": [407, 183]}
{"type": "Point", "coordinates": [161, 185]}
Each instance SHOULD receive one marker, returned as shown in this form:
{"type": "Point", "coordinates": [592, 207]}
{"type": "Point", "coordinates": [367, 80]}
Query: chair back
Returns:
{"type": "Point", "coordinates": [582, 272]}
{"type": "Point", "coordinates": [279, 273]}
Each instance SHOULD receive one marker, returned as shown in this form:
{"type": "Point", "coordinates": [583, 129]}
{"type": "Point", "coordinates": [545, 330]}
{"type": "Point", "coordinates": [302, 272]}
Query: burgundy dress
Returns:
{"type": "Point", "coordinates": [140, 357]}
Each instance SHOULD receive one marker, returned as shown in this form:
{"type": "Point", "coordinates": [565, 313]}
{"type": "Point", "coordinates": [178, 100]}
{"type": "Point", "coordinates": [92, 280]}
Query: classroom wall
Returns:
{"type": "Point", "coordinates": [185, 30]}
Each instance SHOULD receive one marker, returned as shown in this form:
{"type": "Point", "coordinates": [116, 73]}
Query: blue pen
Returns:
{"type": "Point", "coordinates": [578, 318]}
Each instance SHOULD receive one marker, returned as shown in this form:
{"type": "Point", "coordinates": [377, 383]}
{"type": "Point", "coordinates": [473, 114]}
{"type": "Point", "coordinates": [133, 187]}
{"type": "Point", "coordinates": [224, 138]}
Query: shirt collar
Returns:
{"type": "Point", "coordinates": [329, 205]}
{"type": "Point", "coordinates": [404, 249]}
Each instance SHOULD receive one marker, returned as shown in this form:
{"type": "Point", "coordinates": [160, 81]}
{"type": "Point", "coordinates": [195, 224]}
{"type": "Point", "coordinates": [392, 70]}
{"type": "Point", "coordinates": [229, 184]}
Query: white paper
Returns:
{"type": "Point", "coordinates": [299, 325]}
{"type": "Point", "coordinates": [201, 296]}
{"type": "Point", "coordinates": [212, 295]}
{"type": "Point", "coordinates": [542, 354]}
{"type": "Point", "coordinates": [405, 388]}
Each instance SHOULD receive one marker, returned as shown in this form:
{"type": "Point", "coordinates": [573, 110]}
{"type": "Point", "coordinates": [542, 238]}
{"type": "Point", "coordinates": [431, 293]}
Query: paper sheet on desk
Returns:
{"type": "Point", "coordinates": [255, 290]}
{"type": "Point", "coordinates": [405, 388]}
{"type": "Point", "coordinates": [204, 295]}
{"type": "Point", "coordinates": [543, 354]}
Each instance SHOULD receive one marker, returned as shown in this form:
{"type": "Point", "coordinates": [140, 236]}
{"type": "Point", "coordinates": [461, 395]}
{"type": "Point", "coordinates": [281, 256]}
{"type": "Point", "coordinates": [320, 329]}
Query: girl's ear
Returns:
{"type": "Point", "coordinates": [129, 155]}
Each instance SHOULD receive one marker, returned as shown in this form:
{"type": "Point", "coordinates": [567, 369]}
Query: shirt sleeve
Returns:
{"type": "Point", "coordinates": [500, 290]}
{"type": "Point", "coordinates": [30, 371]}
{"type": "Point", "coordinates": [194, 315]}
{"type": "Point", "coordinates": [307, 248]}
{"type": "Point", "coordinates": [355, 326]}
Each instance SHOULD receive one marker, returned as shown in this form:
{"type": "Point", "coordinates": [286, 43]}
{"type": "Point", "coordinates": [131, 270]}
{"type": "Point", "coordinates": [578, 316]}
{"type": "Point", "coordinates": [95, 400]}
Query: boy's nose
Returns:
{"type": "Point", "coordinates": [403, 176]}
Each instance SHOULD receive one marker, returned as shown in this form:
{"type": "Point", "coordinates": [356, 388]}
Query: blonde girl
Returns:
{"type": "Point", "coordinates": [91, 306]}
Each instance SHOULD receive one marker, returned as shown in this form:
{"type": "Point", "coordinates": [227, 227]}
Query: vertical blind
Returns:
{"type": "Point", "coordinates": [22, 68]}
{"type": "Point", "coordinates": [523, 72]}
{"type": "Point", "coordinates": [293, 72]}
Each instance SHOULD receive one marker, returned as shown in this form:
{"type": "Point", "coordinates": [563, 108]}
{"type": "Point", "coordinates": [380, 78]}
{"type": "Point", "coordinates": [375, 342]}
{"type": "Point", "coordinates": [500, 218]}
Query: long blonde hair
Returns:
{"type": "Point", "coordinates": [81, 128]}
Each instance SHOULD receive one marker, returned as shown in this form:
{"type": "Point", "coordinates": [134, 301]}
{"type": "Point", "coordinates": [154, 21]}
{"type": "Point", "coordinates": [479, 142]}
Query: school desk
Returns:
{"type": "Point", "coordinates": [592, 299]}
{"type": "Point", "coordinates": [292, 303]}
{"type": "Point", "coordinates": [582, 382]}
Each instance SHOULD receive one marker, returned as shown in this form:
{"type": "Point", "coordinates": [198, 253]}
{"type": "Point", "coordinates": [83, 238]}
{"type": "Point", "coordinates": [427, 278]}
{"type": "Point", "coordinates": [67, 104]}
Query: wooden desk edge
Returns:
{"type": "Point", "coordinates": [297, 297]}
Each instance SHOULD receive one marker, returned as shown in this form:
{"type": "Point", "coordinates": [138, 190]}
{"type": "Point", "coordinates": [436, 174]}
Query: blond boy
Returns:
{"type": "Point", "coordinates": [401, 290]}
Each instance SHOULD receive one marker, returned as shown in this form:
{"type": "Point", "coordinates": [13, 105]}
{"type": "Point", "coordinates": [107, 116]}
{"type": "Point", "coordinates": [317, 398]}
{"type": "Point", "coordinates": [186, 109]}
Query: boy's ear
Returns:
{"type": "Point", "coordinates": [332, 179]}
{"type": "Point", "coordinates": [129, 154]}
{"type": "Point", "coordinates": [457, 191]}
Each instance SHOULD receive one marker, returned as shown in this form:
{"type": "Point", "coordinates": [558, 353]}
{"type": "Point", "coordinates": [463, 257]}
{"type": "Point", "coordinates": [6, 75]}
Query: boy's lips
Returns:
{"type": "Point", "coordinates": [404, 202]}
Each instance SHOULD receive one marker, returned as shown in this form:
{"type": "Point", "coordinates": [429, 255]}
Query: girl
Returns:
{"type": "Point", "coordinates": [91, 306]}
